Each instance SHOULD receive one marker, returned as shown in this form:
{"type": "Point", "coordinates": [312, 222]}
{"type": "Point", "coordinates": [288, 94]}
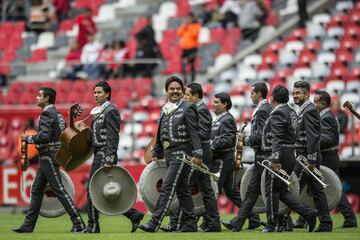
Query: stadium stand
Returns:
{"type": "Point", "coordinates": [326, 54]}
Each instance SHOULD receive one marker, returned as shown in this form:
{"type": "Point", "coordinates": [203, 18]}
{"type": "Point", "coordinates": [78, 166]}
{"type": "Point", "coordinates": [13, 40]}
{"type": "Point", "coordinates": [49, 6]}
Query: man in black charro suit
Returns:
{"type": "Point", "coordinates": [329, 142]}
{"type": "Point", "coordinates": [47, 141]}
{"type": "Point", "coordinates": [105, 138]}
{"type": "Point", "coordinates": [261, 113]}
{"type": "Point", "coordinates": [177, 135]}
{"type": "Point", "coordinates": [279, 138]}
{"type": "Point", "coordinates": [308, 144]}
{"type": "Point", "coordinates": [223, 140]}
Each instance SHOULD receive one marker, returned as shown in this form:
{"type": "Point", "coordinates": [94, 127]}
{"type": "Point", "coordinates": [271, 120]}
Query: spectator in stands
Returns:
{"type": "Point", "coordinates": [121, 53]}
{"type": "Point", "coordinates": [303, 15]}
{"type": "Point", "coordinates": [13, 10]}
{"type": "Point", "coordinates": [73, 64]}
{"type": "Point", "coordinates": [189, 33]}
{"type": "Point", "coordinates": [86, 27]}
{"type": "Point", "coordinates": [89, 56]}
{"type": "Point", "coordinates": [104, 61]}
{"type": "Point", "coordinates": [32, 153]}
{"type": "Point", "coordinates": [230, 11]}
{"type": "Point", "coordinates": [62, 9]}
{"type": "Point", "coordinates": [341, 117]}
{"type": "Point", "coordinates": [40, 16]}
{"type": "Point", "coordinates": [147, 33]}
{"type": "Point", "coordinates": [143, 51]}
{"type": "Point", "coordinates": [252, 17]}
{"type": "Point", "coordinates": [210, 18]}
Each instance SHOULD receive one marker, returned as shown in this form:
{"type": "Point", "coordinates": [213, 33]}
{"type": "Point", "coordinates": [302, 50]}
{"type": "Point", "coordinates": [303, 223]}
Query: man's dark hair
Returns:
{"type": "Point", "coordinates": [302, 84]}
{"type": "Point", "coordinates": [225, 99]}
{"type": "Point", "coordinates": [49, 92]}
{"type": "Point", "coordinates": [280, 94]}
{"type": "Point", "coordinates": [195, 88]}
{"type": "Point", "coordinates": [324, 96]}
{"type": "Point", "coordinates": [174, 78]}
{"type": "Point", "coordinates": [105, 86]}
{"type": "Point", "coordinates": [262, 88]}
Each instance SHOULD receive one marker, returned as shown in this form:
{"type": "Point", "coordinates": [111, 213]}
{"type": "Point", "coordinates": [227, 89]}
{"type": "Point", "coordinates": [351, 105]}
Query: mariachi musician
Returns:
{"type": "Point", "coordinates": [261, 113]}
{"type": "Point", "coordinates": [177, 135]}
{"type": "Point", "coordinates": [279, 138]}
{"type": "Point", "coordinates": [223, 140]}
{"type": "Point", "coordinates": [329, 142]}
{"type": "Point", "coordinates": [51, 123]}
{"type": "Point", "coordinates": [308, 145]}
{"type": "Point", "coordinates": [105, 138]}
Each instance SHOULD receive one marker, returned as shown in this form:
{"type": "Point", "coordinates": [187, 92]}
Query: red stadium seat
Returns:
{"type": "Point", "coordinates": [352, 31]}
{"type": "Point", "coordinates": [349, 43]}
{"type": "Point", "coordinates": [344, 57]}
{"type": "Point", "coordinates": [17, 87]}
{"type": "Point", "coordinates": [33, 87]}
{"type": "Point", "coordinates": [274, 47]}
{"type": "Point", "coordinates": [27, 98]}
{"type": "Point", "coordinates": [80, 86]}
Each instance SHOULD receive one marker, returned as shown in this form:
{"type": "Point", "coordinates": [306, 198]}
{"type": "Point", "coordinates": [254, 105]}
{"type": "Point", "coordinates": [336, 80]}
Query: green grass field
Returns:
{"type": "Point", "coordinates": [118, 228]}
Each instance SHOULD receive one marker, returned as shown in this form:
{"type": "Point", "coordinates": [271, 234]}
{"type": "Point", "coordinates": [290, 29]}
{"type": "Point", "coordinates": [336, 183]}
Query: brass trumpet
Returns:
{"type": "Point", "coordinates": [201, 168]}
{"type": "Point", "coordinates": [315, 174]}
{"type": "Point", "coordinates": [281, 174]}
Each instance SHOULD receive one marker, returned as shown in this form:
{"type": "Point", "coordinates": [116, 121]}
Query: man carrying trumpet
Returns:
{"type": "Point", "coordinates": [308, 145]}
{"type": "Point", "coordinates": [329, 142]}
{"type": "Point", "coordinates": [279, 138]}
{"type": "Point", "coordinates": [177, 135]}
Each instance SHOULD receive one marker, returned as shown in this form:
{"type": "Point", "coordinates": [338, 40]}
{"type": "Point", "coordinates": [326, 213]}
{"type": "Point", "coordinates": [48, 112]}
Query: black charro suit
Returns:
{"type": "Point", "coordinates": [105, 139]}
{"type": "Point", "coordinates": [308, 144]}
{"type": "Point", "coordinates": [47, 141]}
{"type": "Point", "coordinates": [177, 135]}
{"type": "Point", "coordinates": [260, 115]}
{"type": "Point", "coordinates": [279, 138]}
{"type": "Point", "coordinates": [223, 140]}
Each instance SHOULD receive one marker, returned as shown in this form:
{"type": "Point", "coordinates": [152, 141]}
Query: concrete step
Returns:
{"type": "Point", "coordinates": [57, 54]}
{"type": "Point", "coordinates": [41, 68]}
{"type": "Point", "coordinates": [133, 11]}
{"type": "Point", "coordinates": [34, 77]}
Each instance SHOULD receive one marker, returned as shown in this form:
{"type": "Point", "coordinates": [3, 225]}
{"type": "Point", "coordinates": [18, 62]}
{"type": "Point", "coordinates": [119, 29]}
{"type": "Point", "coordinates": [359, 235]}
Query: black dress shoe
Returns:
{"type": "Point", "coordinates": [77, 229]}
{"type": "Point", "coordinates": [136, 223]}
{"type": "Point", "coordinates": [168, 228]}
{"type": "Point", "coordinates": [323, 230]}
{"type": "Point", "coordinates": [350, 224]}
{"type": "Point", "coordinates": [21, 230]}
{"type": "Point", "coordinates": [298, 225]}
{"type": "Point", "coordinates": [212, 230]}
{"type": "Point", "coordinates": [267, 230]}
{"type": "Point", "coordinates": [90, 229]}
{"type": "Point", "coordinates": [188, 230]}
{"type": "Point", "coordinates": [229, 226]}
{"type": "Point", "coordinates": [147, 228]}
{"type": "Point", "coordinates": [256, 225]}
{"type": "Point", "coordinates": [311, 221]}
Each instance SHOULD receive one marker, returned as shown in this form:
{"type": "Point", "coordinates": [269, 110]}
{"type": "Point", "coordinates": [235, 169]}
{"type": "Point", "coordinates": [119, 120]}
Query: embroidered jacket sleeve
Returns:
{"type": "Point", "coordinates": [204, 123]}
{"type": "Point", "coordinates": [312, 131]}
{"type": "Point", "coordinates": [226, 137]}
{"type": "Point", "coordinates": [112, 119]}
{"type": "Point", "coordinates": [277, 123]}
{"type": "Point", "coordinates": [329, 132]}
{"type": "Point", "coordinates": [45, 129]}
{"type": "Point", "coordinates": [158, 149]}
{"type": "Point", "coordinates": [257, 128]}
{"type": "Point", "coordinates": [191, 123]}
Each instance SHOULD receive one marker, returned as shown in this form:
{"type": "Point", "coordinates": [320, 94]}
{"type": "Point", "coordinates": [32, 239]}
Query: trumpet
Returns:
{"type": "Point", "coordinates": [201, 168]}
{"type": "Point", "coordinates": [281, 174]}
{"type": "Point", "coordinates": [315, 174]}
